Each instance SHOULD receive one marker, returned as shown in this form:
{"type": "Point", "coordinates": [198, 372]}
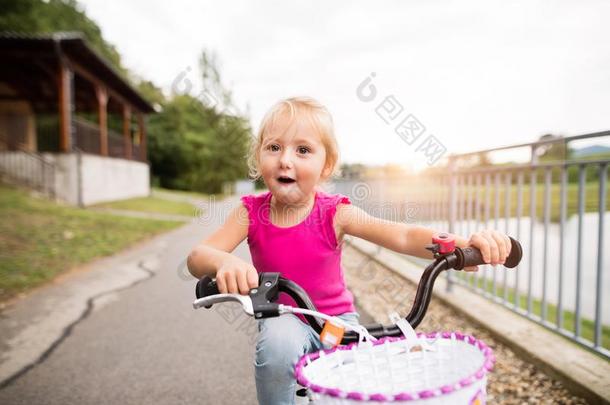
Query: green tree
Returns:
{"type": "Point", "coordinates": [150, 92]}
{"type": "Point", "coordinates": [353, 170]}
{"type": "Point", "coordinates": [553, 152]}
{"type": "Point", "coordinates": [198, 143]}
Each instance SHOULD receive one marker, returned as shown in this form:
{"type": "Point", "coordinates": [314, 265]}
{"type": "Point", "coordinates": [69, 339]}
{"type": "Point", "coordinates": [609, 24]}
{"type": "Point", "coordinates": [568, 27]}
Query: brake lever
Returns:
{"type": "Point", "coordinates": [244, 300]}
{"type": "Point", "coordinates": [258, 303]}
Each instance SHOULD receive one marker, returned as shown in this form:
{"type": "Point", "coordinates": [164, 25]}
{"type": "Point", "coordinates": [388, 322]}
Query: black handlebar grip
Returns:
{"type": "Point", "coordinates": [206, 286]}
{"type": "Point", "coordinates": [516, 254]}
{"type": "Point", "coordinates": [471, 256]}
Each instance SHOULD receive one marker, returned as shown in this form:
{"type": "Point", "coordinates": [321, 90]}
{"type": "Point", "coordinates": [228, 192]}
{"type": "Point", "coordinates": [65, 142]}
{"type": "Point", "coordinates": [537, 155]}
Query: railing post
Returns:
{"type": "Point", "coordinates": [452, 208]}
{"type": "Point", "coordinates": [597, 334]}
{"type": "Point", "coordinates": [102, 103]}
{"type": "Point", "coordinates": [142, 133]}
{"type": "Point", "coordinates": [66, 107]}
{"type": "Point", "coordinates": [127, 130]}
{"type": "Point", "coordinates": [534, 155]}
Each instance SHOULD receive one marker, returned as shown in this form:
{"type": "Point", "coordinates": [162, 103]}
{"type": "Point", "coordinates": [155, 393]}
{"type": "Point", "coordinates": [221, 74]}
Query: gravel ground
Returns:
{"type": "Point", "coordinates": [379, 291]}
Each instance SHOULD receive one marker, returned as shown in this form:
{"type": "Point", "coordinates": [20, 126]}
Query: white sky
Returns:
{"type": "Point", "coordinates": [476, 74]}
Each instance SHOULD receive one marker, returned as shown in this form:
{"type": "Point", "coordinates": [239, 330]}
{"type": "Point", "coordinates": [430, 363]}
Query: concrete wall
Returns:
{"type": "Point", "coordinates": [93, 179]}
{"type": "Point", "coordinates": [65, 178]}
{"type": "Point", "coordinates": [108, 179]}
{"type": "Point", "coordinates": [244, 187]}
{"type": "Point", "coordinates": [239, 187]}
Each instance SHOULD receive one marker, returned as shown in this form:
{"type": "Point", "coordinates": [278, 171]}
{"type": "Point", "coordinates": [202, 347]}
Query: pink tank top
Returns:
{"type": "Point", "coordinates": [307, 253]}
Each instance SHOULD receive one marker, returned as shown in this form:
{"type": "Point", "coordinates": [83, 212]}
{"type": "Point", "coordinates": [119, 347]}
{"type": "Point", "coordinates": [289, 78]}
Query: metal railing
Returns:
{"type": "Point", "coordinates": [87, 139]}
{"type": "Point", "coordinates": [86, 136]}
{"type": "Point", "coordinates": [557, 209]}
{"type": "Point", "coordinates": [28, 169]}
{"type": "Point", "coordinates": [136, 152]}
{"type": "Point", "coordinates": [116, 145]}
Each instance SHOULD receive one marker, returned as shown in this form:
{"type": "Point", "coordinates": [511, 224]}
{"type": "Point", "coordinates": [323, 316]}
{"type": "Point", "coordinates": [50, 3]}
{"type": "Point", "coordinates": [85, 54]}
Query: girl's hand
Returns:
{"type": "Point", "coordinates": [494, 246]}
{"type": "Point", "coordinates": [236, 276]}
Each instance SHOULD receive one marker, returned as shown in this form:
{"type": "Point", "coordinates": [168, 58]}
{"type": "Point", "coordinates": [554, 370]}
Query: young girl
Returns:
{"type": "Point", "coordinates": [296, 229]}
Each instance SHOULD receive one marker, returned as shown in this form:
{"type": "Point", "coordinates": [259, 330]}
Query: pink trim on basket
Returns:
{"type": "Point", "coordinates": [465, 382]}
{"type": "Point", "coordinates": [378, 397]}
{"type": "Point", "coordinates": [334, 392]}
{"type": "Point", "coordinates": [477, 397]}
{"type": "Point", "coordinates": [426, 394]}
{"type": "Point", "coordinates": [356, 396]}
{"type": "Point", "coordinates": [403, 396]}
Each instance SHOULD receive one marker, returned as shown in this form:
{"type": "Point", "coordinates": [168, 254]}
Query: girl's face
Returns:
{"type": "Point", "coordinates": [292, 160]}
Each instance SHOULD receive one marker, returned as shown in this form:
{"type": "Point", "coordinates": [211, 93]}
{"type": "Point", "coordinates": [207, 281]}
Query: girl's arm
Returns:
{"type": "Point", "coordinates": [210, 254]}
{"type": "Point", "coordinates": [412, 239]}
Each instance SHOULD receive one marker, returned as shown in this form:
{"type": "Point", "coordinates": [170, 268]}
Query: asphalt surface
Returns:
{"type": "Point", "coordinates": [124, 331]}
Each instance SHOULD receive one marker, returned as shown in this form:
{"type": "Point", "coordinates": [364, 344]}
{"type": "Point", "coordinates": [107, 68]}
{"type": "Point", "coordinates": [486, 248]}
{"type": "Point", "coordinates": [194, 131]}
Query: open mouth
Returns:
{"type": "Point", "coordinates": [285, 180]}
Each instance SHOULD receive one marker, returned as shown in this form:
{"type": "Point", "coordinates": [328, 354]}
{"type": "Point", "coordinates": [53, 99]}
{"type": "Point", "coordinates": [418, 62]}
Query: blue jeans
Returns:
{"type": "Point", "coordinates": [280, 343]}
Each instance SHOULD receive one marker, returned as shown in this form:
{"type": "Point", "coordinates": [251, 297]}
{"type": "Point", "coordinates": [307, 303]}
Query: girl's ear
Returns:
{"type": "Point", "coordinates": [326, 172]}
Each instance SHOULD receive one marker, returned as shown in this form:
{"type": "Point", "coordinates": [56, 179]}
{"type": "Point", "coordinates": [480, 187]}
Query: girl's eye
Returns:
{"type": "Point", "coordinates": [273, 148]}
{"type": "Point", "coordinates": [303, 150]}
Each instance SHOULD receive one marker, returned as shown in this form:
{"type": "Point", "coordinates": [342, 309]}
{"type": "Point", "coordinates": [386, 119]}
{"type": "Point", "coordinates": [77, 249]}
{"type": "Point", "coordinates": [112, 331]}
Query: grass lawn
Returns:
{"type": "Point", "coordinates": [153, 205]}
{"type": "Point", "coordinates": [40, 239]}
{"type": "Point", "coordinates": [180, 193]}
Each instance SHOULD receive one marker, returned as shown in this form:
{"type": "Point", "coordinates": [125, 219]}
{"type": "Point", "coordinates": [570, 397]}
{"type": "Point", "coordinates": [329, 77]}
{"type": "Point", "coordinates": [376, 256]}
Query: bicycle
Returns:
{"type": "Point", "coordinates": [380, 363]}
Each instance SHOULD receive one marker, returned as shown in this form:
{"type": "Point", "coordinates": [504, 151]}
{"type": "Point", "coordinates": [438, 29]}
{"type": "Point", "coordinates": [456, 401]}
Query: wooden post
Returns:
{"type": "Point", "coordinates": [65, 82]}
{"type": "Point", "coordinates": [127, 130]}
{"type": "Point", "coordinates": [102, 104]}
{"type": "Point", "coordinates": [142, 131]}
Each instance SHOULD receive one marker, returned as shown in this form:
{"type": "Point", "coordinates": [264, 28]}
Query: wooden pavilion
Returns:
{"type": "Point", "coordinates": [58, 96]}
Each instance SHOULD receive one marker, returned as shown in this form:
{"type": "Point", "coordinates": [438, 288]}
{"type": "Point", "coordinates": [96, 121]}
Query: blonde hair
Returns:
{"type": "Point", "coordinates": [318, 116]}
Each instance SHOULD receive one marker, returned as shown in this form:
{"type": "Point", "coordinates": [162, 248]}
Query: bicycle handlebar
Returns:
{"type": "Point", "coordinates": [260, 301]}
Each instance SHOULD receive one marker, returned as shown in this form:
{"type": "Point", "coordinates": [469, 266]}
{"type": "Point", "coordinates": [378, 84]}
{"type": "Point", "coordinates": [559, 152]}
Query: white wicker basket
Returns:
{"type": "Point", "coordinates": [451, 369]}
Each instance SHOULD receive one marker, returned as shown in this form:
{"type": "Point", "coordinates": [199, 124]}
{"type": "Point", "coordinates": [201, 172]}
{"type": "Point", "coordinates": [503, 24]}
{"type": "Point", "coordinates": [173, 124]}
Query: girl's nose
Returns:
{"type": "Point", "coordinates": [286, 159]}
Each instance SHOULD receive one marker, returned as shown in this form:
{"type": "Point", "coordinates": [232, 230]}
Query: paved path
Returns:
{"type": "Point", "coordinates": [123, 331]}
